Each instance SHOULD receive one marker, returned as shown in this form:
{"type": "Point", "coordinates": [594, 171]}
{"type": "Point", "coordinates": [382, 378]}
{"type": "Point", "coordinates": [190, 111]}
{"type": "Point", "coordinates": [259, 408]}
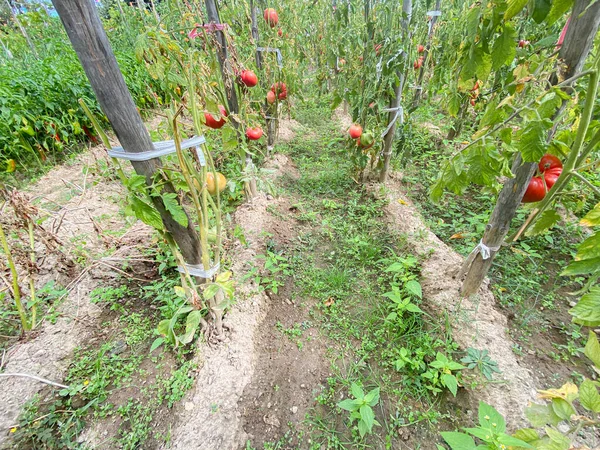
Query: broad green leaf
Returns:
{"type": "Point", "coordinates": [592, 349]}
{"type": "Point", "coordinates": [481, 433]}
{"type": "Point", "coordinates": [541, 8]}
{"type": "Point", "coordinates": [507, 440]}
{"type": "Point", "coordinates": [157, 343]}
{"type": "Point", "coordinates": [492, 115]}
{"type": "Point", "coordinates": [454, 105]}
{"type": "Point", "coordinates": [357, 391]}
{"type": "Point", "coordinates": [547, 220]}
{"type": "Point", "coordinates": [541, 415]}
{"type": "Point", "coordinates": [368, 416]}
{"type": "Point", "coordinates": [372, 397]}
{"type": "Point", "coordinates": [362, 428]}
{"type": "Point", "coordinates": [527, 434]}
{"type": "Point", "coordinates": [587, 309]}
{"type": "Point", "coordinates": [180, 292]}
{"type": "Point", "coordinates": [590, 248]}
{"type": "Point", "coordinates": [414, 287]}
{"type": "Point", "coordinates": [592, 218]}
{"type": "Point", "coordinates": [532, 140]}
{"type": "Point", "coordinates": [172, 205]}
{"type": "Point", "coordinates": [450, 382]}
{"type": "Point", "coordinates": [191, 325]}
{"type": "Point", "coordinates": [562, 442]}
{"type": "Point", "coordinates": [550, 104]}
{"type": "Point", "coordinates": [504, 49]}
{"type": "Point", "coordinates": [490, 418]}
{"type": "Point", "coordinates": [164, 328]}
{"type": "Point", "coordinates": [514, 8]}
{"type": "Point", "coordinates": [563, 408]}
{"type": "Point", "coordinates": [347, 405]}
{"type": "Point", "coordinates": [459, 441]}
{"type": "Point", "coordinates": [146, 213]}
{"type": "Point", "coordinates": [413, 308]}
{"type": "Point", "coordinates": [473, 21]}
{"type": "Point", "coordinates": [589, 396]}
{"type": "Point", "coordinates": [559, 7]}
{"type": "Point", "coordinates": [582, 267]}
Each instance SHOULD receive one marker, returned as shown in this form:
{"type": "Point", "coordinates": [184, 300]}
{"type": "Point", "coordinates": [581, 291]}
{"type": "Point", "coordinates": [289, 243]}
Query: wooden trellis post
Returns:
{"type": "Point", "coordinates": [419, 86]}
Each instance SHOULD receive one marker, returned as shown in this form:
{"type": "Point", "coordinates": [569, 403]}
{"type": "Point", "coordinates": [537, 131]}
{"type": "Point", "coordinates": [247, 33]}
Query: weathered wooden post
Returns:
{"type": "Point", "coordinates": [84, 28]}
{"type": "Point", "coordinates": [419, 86]}
{"type": "Point", "coordinates": [575, 49]}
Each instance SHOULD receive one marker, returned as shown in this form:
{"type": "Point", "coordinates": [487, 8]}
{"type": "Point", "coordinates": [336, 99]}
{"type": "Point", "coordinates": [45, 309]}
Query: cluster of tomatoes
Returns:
{"type": "Point", "coordinates": [419, 62]}
{"type": "Point", "coordinates": [474, 93]}
{"type": "Point", "coordinates": [550, 168]}
{"type": "Point", "coordinates": [365, 140]}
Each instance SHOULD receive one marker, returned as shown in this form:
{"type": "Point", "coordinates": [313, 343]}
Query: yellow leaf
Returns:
{"type": "Point", "coordinates": [13, 429]}
{"type": "Point", "coordinates": [519, 87]}
{"type": "Point", "coordinates": [568, 392]}
{"type": "Point", "coordinates": [402, 202]}
{"type": "Point", "coordinates": [457, 236]}
{"type": "Point", "coordinates": [11, 165]}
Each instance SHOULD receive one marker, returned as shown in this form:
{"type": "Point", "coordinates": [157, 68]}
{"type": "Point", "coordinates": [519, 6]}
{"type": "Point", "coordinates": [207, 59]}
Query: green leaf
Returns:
{"type": "Point", "coordinates": [563, 408]}
{"type": "Point", "coordinates": [582, 267]}
{"type": "Point", "coordinates": [541, 8]}
{"type": "Point", "coordinates": [514, 8]}
{"type": "Point", "coordinates": [550, 103]}
{"type": "Point", "coordinates": [372, 397]}
{"type": "Point", "coordinates": [592, 218]}
{"type": "Point", "coordinates": [587, 309]}
{"type": "Point", "coordinates": [541, 415]}
{"type": "Point", "coordinates": [532, 140]}
{"type": "Point", "coordinates": [414, 287]}
{"type": "Point", "coordinates": [482, 433]}
{"type": "Point", "coordinates": [527, 434]}
{"type": "Point", "coordinates": [357, 391]}
{"type": "Point", "coordinates": [589, 396]}
{"type": "Point", "coordinates": [157, 343]}
{"type": "Point", "coordinates": [348, 405]}
{"type": "Point", "coordinates": [191, 325]}
{"type": "Point", "coordinates": [368, 416]}
{"type": "Point", "coordinates": [450, 382]}
{"type": "Point", "coordinates": [507, 440]}
{"type": "Point", "coordinates": [492, 115]}
{"type": "Point", "coordinates": [590, 248]}
{"type": "Point", "coordinates": [559, 7]}
{"type": "Point", "coordinates": [490, 418]}
{"type": "Point", "coordinates": [164, 328]}
{"type": "Point", "coordinates": [562, 442]}
{"type": "Point", "coordinates": [547, 220]}
{"type": "Point", "coordinates": [504, 49]}
{"type": "Point", "coordinates": [592, 349]}
{"type": "Point", "coordinates": [472, 23]}
{"type": "Point", "coordinates": [413, 308]}
{"type": "Point", "coordinates": [146, 213]}
{"type": "Point", "coordinates": [172, 205]}
{"type": "Point", "coordinates": [459, 441]}
{"type": "Point", "coordinates": [362, 428]}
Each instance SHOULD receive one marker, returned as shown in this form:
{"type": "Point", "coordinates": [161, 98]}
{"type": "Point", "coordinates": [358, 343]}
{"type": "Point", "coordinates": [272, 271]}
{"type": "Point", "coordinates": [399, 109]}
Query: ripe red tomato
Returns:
{"type": "Point", "coordinates": [279, 89]}
{"type": "Point", "coordinates": [551, 175]}
{"type": "Point", "coordinates": [549, 162]}
{"type": "Point", "coordinates": [420, 49]}
{"type": "Point", "coordinates": [254, 134]}
{"type": "Point", "coordinates": [523, 43]}
{"type": "Point", "coordinates": [271, 17]}
{"type": "Point", "coordinates": [535, 191]}
{"type": "Point", "coordinates": [249, 78]}
{"type": "Point", "coordinates": [213, 123]}
{"type": "Point", "coordinates": [280, 33]}
{"type": "Point", "coordinates": [355, 131]}
{"type": "Point", "coordinates": [472, 102]}
{"type": "Point", "coordinates": [417, 64]}
{"type": "Point", "coordinates": [271, 97]}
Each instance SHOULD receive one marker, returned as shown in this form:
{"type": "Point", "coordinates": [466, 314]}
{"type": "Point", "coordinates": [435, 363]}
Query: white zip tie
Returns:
{"type": "Point", "coordinates": [161, 148]}
{"type": "Point", "coordinates": [197, 270]}
{"type": "Point", "coordinates": [481, 248]}
{"type": "Point", "coordinates": [434, 13]}
{"type": "Point", "coordinates": [399, 115]}
{"type": "Point", "coordinates": [277, 52]}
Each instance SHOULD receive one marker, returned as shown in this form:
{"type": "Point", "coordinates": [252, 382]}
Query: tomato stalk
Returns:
{"type": "Point", "coordinates": [576, 156]}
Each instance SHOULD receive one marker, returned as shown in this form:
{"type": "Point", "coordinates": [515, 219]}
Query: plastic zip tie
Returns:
{"type": "Point", "coordinates": [197, 270]}
{"type": "Point", "coordinates": [161, 148]}
{"type": "Point", "coordinates": [434, 13]}
{"type": "Point", "coordinates": [399, 115]}
{"type": "Point", "coordinates": [277, 52]}
{"type": "Point", "coordinates": [212, 27]}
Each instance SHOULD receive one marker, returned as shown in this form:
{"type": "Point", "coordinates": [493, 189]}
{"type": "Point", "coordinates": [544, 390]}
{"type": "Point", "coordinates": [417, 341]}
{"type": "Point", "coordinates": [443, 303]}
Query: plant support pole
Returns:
{"type": "Point", "coordinates": [84, 28]}
{"type": "Point", "coordinates": [419, 86]}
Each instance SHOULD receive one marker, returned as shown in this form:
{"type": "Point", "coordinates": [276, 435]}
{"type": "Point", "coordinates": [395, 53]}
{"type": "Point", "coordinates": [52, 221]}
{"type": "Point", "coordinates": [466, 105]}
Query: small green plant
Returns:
{"type": "Point", "coordinates": [445, 372]}
{"type": "Point", "coordinates": [491, 431]}
{"type": "Point", "coordinates": [480, 360]}
{"type": "Point", "coordinates": [361, 408]}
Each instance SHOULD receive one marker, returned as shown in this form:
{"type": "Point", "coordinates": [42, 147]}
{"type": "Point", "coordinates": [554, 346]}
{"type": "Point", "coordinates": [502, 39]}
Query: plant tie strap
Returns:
{"type": "Point", "coordinates": [271, 118]}
{"type": "Point", "coordinates": [399, 115]}
{"type": "Point", "coordinates": [433, 14]}
{"type": "Point", "coordinates": [480, 248]}
{"type": "Point", "coordinates": [197, 270]}
{"type": "Point", "coordinates": [212, 27]}
{"type": "Point", "coordinates": [161, 148]}
{"type": "Point", "coordinates": [277, 52]}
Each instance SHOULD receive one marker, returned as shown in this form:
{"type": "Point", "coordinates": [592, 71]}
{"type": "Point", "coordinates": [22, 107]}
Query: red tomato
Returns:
{"type": "Point", "coordinates": [355, 131]}
{"type": "Point", "coordinates": [279, 89]}
{"type": "Point", "coordinates": [271, 17]}
{"type": "Point", "coordinates": [378, 48]}
{"type": "Point", "coordinates": [420, 49]}
{"type": "Point", "coordinates": [249, 78]}
{"type": "Point", "coordinates": [523, 43]}
{"type": "Point", "coordinates": [254, 134]}
{"type": "Point", "coordinates": [280, 33]}
{"type": "Point", "coordinates": [475, 86]}
{"type": "Point", "coordinates": [417, 64]}
{"type": "Point", "coordinates": [551, 175]}
{"type": "Point", "coordinates": [549, 162]}
{"type": "Point", "coordinates": [535, 191]}
{"type": "Point", "coordinates": [472, 102]}
{"type": "Point", "coordinates": [271, 97]}
{"type": "Point", "coordinates": [213, 123]}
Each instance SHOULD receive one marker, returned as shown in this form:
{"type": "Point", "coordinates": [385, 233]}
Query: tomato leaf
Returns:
{"type": "Point", "coordinates": [146, 213]}
{"type": "Point", "coordinates": [589, 397]}
{"type": "Point", "coordinates": [541, 8]}
{"type": "Point", "coordinates": [592, 218]}
{"type": "Point", "coordinates": [547, 220]}
{"type": "Point", "coordinates": [504, 49]}
{"type": "Point", "coordinates": [582, 267]}
{"type": "Point", "coordinates": [514, 8]}
{"type": "Point", "coordinates": [532, 140]}
{"type": "Point", "coordinates": [175, 209]}
{"type": "Point", "coordinates": [590, 248]}
{"type": "Point", "coordinates": [587, 310]}
{"type": "Point", "coordinates": [559, 7]}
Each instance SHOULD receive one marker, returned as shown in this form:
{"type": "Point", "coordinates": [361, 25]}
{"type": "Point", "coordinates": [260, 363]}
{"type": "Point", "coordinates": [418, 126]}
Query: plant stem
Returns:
{"type": "Point", "coordinates": [586, 181]}
{"type": "Point", "coordinates": [15, 280]}
{"type": "Point", "coordinates": [31, 280]}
